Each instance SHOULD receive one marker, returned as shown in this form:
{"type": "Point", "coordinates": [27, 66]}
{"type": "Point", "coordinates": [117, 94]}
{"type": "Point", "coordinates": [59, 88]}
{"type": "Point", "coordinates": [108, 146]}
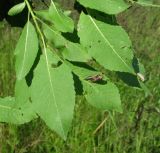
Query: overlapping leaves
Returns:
{"type": "Point", "coordinates": [110, 46]}
{"type": "Point", "coordinates": [51, 94]}
{"type": "Point", "coordinates": [18, 109]}
{"type": "Point", "coordinates": [55, 101]}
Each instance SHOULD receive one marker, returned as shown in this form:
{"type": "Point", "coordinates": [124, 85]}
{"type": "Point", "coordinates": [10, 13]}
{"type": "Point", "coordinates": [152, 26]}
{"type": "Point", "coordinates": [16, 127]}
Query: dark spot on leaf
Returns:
{"type": "Point", "coordinates": [19, 108]}
{"type": "Point", "coordinates": [56, 65]}
{"type": "Point", "coordinates": [53, 65]}
{"type": "Point", "coordinates": [30, 100]}
{"type": "Point", "coordinates": [22, 114]}
{"type": "Point", "coordinates": [99, 41]}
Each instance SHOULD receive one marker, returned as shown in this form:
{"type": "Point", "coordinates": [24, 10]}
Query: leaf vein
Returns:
{"type": "Point", "coordinates": [107, 41]}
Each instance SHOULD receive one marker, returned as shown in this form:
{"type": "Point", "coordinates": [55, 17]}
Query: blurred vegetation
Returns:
{"type": "Point", "coordinates": [136, 130]}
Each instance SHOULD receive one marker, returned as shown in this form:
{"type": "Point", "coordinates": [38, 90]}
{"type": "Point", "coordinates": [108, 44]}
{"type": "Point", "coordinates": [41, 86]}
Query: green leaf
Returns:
{"type": "Point", "coordinates": [43, 14]}
{"type": "Point", "coordinates": [53, 94]}
{"type": "Point", "coordinates": [102, 96]}
{"type": "Point", "coordinates": [26, 50]}
{"type": "Point", "coordinates": [15, 115]}
{"type": "Point", "coordinates": [18, 110]}
{"type": "Point", "coordinates": [54, 36]}
{"type": "Point", "coordinates": [22, 93]}
{"type": "Point", "coordinates": [17, 9]}
{"type": "Point", "coordinates": [70, 51]}
{"type": "Point", "coordinates": [106, 6]}
{"type": "Point", "coordinates": [110, 45]}
{"type": "Point", "coordinates": [82, 71]}
{"type": "Point", "coordinates": [61, 21]}
{"type": "Point", "coordinates": [75, 52]}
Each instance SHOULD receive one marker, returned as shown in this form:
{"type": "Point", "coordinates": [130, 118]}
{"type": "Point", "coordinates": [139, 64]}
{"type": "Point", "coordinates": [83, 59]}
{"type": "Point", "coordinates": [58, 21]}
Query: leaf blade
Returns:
{"type": "Point", "coordinates": [70, 51]}
{"type": "Point", "coordinates": [26, 51]}
{"type": "Point", "coordinates": [106, 6]}
{"type": "Point", "coordinates": [17, 9]}
{"type": "Point", "coordinates": [61, 21]}
{"type": "Point", "coordinates": [104, 97]}
{"type": "Point", "coordinates": [101, 94]}
{"type": "Point", "coordinates": [111, 47]}
{"type": "Point", "coordinates": [12, 113]}
{"type": "Point", "coordinates": [59, 108]}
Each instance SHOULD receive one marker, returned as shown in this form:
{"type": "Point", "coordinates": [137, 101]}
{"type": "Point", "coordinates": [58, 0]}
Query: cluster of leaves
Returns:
{"type": "Point", "coordinates": [49, 93]}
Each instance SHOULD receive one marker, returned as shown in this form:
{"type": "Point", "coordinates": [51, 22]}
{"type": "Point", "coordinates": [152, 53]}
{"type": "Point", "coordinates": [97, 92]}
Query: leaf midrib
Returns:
{"type": "Point", "coordinates": [25, 50]}
{"type": "Point", "coordinates": [58, 34]}
{"type": "Point", "coordinates": [59, 16]}
{"type": "Point", "coordinates": [52, 89]}
{"type": "Point", "coordinates": [108, 42]}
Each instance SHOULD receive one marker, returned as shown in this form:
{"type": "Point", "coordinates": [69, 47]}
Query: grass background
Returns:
{"type": "Point", "coordinates": [136, 130]}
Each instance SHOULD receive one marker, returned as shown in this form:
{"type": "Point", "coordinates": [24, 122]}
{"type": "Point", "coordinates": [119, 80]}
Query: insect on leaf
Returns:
{"type": "Point", "coordinates": [98, 90]}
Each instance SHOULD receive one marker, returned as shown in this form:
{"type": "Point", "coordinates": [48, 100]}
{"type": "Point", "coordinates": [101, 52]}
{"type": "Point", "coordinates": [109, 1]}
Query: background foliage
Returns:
{"type": "Point", "coordinates": [136, 130]}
